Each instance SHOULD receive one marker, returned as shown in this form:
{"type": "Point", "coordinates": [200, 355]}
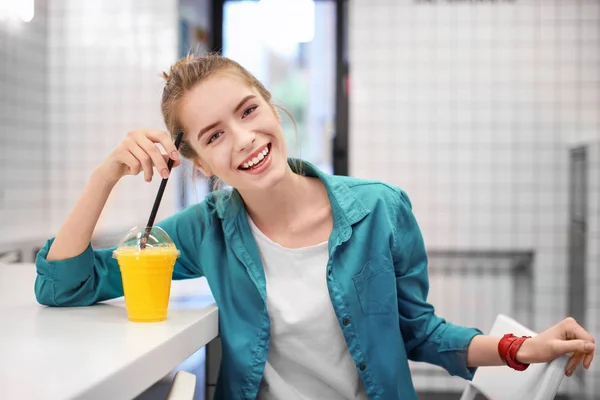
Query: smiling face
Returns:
{"type": "Point", "coordinates": [235, 133]}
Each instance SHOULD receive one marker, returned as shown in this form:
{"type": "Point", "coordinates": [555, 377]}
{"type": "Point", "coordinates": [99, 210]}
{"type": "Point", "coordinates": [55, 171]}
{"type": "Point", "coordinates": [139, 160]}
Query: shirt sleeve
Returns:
{"type": "Point", "coordinates": [94, 275]}
{"type": "Point", "coordinates": [427, 337]}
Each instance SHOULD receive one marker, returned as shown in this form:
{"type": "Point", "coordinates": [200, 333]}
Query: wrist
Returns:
{"type": "Point", "coordinates": [99, 179]}
{"type": "Point", "coordinates": [523, 353]}
{"type": "Point", "coordinates": [509, 346]}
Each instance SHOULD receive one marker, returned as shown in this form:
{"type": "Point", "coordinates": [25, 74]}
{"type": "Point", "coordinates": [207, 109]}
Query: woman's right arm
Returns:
{"type": "Point", "coordinates": [70, 272]}
{"type": "Point", "coordinates": [137, 152]}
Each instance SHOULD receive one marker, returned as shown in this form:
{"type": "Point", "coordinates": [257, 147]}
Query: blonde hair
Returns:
{"type": "Point", "coordinates": [188, 72]}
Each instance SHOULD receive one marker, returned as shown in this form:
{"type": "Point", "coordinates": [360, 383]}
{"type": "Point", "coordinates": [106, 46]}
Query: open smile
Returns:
{"type": "Point", "coordinates": [257, 159]}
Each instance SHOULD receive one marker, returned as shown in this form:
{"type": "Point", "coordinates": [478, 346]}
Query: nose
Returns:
{"type": "Point", "coordinates": [243, 139]}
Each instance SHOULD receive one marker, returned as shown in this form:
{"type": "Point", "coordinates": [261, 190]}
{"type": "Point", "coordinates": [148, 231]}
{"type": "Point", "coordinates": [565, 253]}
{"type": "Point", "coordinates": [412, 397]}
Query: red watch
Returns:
{"type": "Point", "coordinates": [507, 349]}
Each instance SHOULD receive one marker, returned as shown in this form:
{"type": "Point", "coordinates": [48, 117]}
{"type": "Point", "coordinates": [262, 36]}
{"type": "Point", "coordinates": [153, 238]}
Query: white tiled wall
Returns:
{"type": "Point", "coordinates": [468, 106]}
{"type": "Point", "coordinates": [23, 122]}
{"type": "Point", "coordinates": [74, 81]}
{"type": "Point", "coordinates": [104, 64]}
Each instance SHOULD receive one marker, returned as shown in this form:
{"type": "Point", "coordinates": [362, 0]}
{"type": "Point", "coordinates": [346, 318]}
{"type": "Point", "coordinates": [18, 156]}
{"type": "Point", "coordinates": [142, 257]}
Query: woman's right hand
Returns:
{"type": "Point", "coordinates": [138, 152]}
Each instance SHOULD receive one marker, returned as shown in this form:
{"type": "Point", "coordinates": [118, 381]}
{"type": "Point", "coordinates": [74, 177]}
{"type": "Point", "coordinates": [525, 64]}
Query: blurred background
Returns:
{"type": "Point", "coordinates": [486, 112]}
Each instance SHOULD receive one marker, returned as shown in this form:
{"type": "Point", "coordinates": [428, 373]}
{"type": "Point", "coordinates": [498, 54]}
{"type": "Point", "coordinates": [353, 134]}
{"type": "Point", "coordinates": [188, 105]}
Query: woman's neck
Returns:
{"type": "Point", "coordinates": [281, 206]}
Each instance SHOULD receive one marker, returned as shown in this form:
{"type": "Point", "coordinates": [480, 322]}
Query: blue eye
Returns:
{"type": "Point", "coordinates": [214, 137]}
{"type": "Point", "coordinates": [249, 111]}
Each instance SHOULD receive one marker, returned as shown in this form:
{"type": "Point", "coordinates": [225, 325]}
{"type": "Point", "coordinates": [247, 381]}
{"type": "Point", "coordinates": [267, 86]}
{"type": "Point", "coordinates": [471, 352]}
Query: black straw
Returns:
{"type": "Point", "coordinates": [161, 190]}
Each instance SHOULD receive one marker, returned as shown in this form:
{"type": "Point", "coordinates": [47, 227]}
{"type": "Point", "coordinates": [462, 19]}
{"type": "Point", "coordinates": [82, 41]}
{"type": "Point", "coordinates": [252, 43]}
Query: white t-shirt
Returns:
{"type": "Point", "coordinates": [308, 356]}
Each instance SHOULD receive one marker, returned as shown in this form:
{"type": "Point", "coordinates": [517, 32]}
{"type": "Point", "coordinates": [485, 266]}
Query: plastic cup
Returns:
{"type": "Point", "coordinates": [146, 273]}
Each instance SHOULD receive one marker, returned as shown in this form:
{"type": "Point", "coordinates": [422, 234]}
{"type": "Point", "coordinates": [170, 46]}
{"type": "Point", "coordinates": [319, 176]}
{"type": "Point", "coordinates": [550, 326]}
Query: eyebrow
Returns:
{"type": "Point", "coordinates": [236, 109]}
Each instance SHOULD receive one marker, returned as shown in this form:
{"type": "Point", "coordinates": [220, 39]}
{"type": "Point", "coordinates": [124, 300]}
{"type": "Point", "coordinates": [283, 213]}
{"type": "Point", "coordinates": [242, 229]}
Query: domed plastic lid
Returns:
{"type": "Point", "coordinates": [158, 238]}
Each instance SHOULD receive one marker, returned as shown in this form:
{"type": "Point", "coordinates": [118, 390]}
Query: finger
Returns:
{"type": "Point", "coordinates": [573, 363]}
{"type": "Point", "coordinates": [573, 346]}
{"type": "Point", "coordinates": [155, 155]}
{"type": "Point", "coordinates": [587, 360]}
{"type": "Point", "coordinates": [176, 163]}
{"type": "Point", "coordinates": [132, 163]}
{"type": "Point", "coordinates": [165, 141]}
{"type": "Point", "coordinates": [144, 160]}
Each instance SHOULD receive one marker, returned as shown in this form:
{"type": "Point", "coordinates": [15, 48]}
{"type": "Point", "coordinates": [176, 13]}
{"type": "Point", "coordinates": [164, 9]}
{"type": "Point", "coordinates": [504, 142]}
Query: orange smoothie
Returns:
{"type": "Point", "coordinates": [147, 276]}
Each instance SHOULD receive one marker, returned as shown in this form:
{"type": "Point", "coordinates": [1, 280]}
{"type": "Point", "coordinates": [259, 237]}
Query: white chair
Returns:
{"type": "Point", "coordinates": [538, 382]}
{"type": "Point", "coordinates": [183, 387]}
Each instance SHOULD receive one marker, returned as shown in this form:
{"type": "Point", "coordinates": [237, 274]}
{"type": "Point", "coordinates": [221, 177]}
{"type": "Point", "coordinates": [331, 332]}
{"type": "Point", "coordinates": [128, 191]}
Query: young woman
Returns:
{"type": "Point", "coordinates": [321, 281]}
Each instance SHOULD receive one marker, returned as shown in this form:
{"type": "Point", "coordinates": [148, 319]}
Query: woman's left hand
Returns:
{"type": "Point", "coordinates": [563, 338]}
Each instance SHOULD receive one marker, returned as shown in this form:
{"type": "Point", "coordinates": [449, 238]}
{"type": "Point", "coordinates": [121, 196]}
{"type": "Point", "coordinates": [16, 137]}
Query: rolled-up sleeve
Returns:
{"type": "Point", "coordinates": [427, 337]}
{"type": "Point", "coordinates": [90, 277]}
{"type": "Point", "coordinates": [94, 275]}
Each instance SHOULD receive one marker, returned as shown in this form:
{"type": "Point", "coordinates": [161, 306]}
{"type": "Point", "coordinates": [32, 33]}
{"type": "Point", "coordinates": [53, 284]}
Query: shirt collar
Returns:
{"type": "Point", "coordinates": [347, 209]}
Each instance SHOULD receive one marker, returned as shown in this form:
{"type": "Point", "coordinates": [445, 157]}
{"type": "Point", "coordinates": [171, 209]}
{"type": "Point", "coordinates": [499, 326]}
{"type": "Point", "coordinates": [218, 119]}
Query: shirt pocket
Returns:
{"type": "Point", "coordinates": [376, 286]}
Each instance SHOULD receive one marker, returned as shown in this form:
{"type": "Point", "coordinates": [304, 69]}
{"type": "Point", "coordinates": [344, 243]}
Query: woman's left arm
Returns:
{"type": "Point", "coordinates": [427, 337]}
{"type": "Point", "coordinates": [460, 350]}
{"type": "Point", "coordinates": [563, 338]}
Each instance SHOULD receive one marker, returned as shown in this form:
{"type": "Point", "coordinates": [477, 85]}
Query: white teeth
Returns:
{"type": "Point", "coordinates": [260, 156]}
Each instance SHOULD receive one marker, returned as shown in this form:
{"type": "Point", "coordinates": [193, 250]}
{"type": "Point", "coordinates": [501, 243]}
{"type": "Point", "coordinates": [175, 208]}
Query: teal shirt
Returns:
{"type": "Point", "coordinates": [376, 276]}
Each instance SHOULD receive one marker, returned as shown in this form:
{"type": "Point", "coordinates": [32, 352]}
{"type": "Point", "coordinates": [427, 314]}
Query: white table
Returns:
{"type": "Point", "coordinates": [93, 352]}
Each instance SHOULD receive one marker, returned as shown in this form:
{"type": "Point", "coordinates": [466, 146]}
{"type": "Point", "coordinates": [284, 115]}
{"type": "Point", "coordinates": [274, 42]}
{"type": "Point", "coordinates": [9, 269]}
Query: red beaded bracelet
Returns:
{"type": "Point", "coordinates": [507, 349]}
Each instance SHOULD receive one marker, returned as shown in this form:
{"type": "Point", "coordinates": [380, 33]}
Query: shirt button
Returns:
{"type": "Point", "coordinates": [362, 367]}
{"type": "Point", "coordinates": [329, 271]}
{"type": "Point", "coordinates": [345, 321]}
